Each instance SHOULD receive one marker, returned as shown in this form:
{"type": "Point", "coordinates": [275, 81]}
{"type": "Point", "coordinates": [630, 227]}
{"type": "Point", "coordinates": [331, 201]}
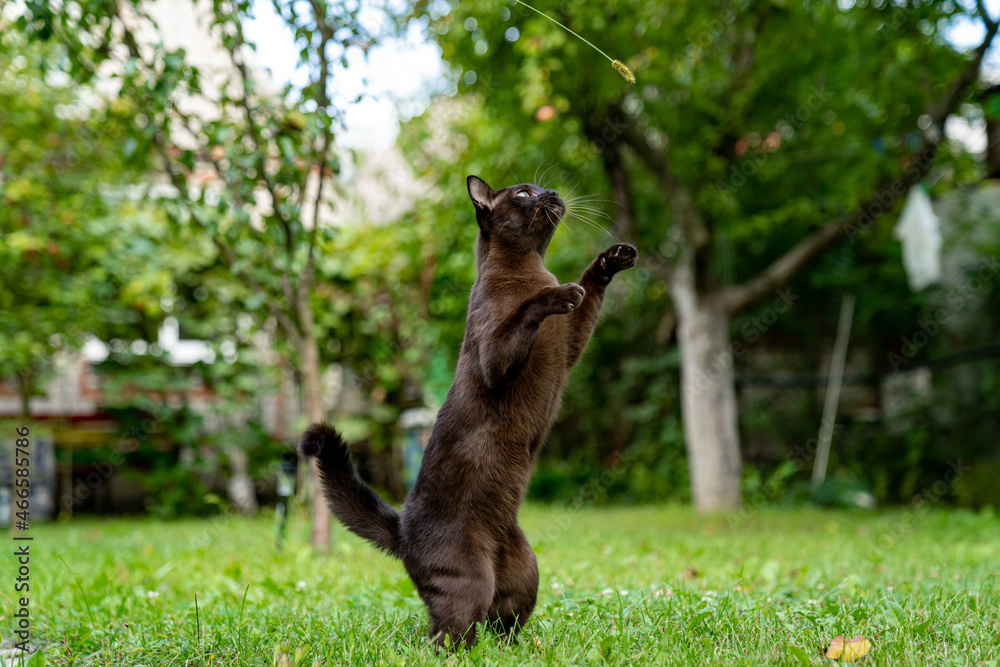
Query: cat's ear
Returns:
{"type": "Point", "coordinates": [482, 195]}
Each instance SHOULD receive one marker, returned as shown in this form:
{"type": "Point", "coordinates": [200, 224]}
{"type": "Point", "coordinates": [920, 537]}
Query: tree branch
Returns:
{"type": "Point", "coordinates": [983, 14]}
{"type": "Point", "coordinates": [179, 183]}
{"type": "Point", "coordinates": [286, 284]}
{"type": "Point", "coordinates": [322, 104]}
{"type": "Point", "coordinates": [621, 191]}
{"type": "Point", "coordinates": [286, 323]}
{"type": "Point", "coordinates": [781, 270]}
{"type": "Point", "coordinates": [940, 112]}
{"type": "Point", "coordinates": [614, 169]}
{"type": "Point", "coordinates": [789, 264]}
{"type": "Point", "coordinates": [246, 82]}
{"type": "Point", "coordinates": [744, 59]}
{"type": "Point", "coordinates": [683, 209]}
{"type": "Point", "coordinates": [224, 250]}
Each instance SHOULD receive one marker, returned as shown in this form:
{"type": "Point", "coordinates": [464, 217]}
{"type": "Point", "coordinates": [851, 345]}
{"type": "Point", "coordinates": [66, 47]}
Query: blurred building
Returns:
{"type": "Point", "coordinates": [71, 420]}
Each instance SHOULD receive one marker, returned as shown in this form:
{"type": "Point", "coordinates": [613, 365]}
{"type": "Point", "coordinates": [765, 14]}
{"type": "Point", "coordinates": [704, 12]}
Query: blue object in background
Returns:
{"type": "Point", "coordinates": [417, 426]}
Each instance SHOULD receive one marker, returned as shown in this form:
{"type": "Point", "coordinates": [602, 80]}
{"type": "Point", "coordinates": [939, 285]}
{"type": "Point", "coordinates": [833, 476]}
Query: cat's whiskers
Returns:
{"type": "Point", "coordinates": [579, 216]}
{"type": "Point", "coordinates": [572, 189]}
{"type": "Point", "coordinates": [590, 223]}
{"type": "Point", "coordinates": [583, 216]}
{"type": "Point", "coordinates": [545, 172]}
{"type": "Point", "coordinates": [593, 210]}
{"type": "Point", "coordinates": [592, 215]}
{"type": "Point", "coordinates": [591, 199]}
{"type": "Point", "coordinates": [567, 218]}
{"type": "Point", "coordinates": [555, 225]}
{"type": "Point", "coordinates": [533, 216]}
{"type": "Point", "coordinates": [590, 195]}
{"type": "Point", "coordinates": [516, 179]}
{"type": "Point", "coordinates": [540, 164]}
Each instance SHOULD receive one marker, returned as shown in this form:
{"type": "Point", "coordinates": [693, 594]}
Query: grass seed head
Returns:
{"type": "Point", "coordinates": [623, 69]}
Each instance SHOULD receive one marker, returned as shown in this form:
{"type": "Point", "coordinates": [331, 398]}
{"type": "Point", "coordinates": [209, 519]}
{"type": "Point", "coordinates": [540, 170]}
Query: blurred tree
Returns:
{"type": "Point", "coordinates": [80, 256]}
{"type": "Point", "coordinates": [251, 168]}
{"type": "Point", "coordinates": [760, 135]}
{"type": "Point", "coordinates": [60, 277]}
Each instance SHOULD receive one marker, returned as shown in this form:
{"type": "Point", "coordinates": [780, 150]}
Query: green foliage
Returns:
{"type": "Point", "coordinates": [166, 461]}
{"type": "Point", "coordinates": [60, 276]}
{"type": "Point", "coordinates": [716, 82]}
{"type": "Point", "coordinates": [250, 243]}
{"type": "Point", "coordinates": [253, 179]}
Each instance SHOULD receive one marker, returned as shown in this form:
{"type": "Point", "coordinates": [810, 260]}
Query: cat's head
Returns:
{"type": "Point", "coordinates": [522, 217]}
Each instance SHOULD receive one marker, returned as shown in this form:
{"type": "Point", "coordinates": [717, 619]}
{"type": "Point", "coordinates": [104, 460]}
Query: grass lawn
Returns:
{"type": "Point", "coordinates": [623, 586]}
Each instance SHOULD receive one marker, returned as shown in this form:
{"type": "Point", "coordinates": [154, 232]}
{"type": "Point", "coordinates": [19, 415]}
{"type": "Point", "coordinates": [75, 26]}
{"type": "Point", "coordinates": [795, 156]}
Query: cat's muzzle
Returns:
{"type": "Point", "coordinates": [554, 206]}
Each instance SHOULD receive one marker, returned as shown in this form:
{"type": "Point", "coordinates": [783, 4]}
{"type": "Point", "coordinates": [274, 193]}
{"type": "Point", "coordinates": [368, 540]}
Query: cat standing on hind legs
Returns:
{"type": "Point", "coordinates": [458, 535]}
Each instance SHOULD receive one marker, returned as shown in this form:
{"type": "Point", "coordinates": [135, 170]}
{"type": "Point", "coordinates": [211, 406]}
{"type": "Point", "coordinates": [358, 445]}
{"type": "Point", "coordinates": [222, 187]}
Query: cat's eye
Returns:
{"type": "Point", "coordinates": [522, 193]}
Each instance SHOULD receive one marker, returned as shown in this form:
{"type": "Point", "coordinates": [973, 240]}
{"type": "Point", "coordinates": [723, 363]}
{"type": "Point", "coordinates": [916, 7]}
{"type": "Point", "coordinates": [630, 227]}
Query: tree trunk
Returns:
{"type": "Point", "coordinates": [708, 403]}
{"type": "Point", "coordinates": [309, 359]}
{"type": "Point", "coordinates": [993, 146]}
{"type": "Point", "coordinates": [240, 488]}
{"type": "Point", "coordinates": [26, 386]}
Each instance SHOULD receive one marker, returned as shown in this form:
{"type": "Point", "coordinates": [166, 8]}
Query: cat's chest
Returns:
{"type": "Point", "coordinates": [498, 300]}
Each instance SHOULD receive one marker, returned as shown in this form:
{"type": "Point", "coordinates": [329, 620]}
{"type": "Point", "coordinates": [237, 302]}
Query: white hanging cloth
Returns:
{"type": "Point", "coordinates": [919, 230]}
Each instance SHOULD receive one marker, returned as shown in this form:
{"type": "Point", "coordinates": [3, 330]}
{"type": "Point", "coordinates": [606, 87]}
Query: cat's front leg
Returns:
{"type": "Point", "coordinates": [502, 356]}
{"type": "Point", "coordinates": [596, 278]}
{"type": "Point", "coordinates": [557, 300]}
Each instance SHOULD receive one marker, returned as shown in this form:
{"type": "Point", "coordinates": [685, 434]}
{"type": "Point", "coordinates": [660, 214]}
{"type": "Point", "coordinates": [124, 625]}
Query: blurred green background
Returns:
{"type": "Point", "coordinates": [198, 255]}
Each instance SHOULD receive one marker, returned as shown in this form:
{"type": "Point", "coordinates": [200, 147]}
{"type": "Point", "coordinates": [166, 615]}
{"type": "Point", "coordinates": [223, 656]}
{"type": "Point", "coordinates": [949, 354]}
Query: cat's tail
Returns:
{"type": "Point", "coordinates": [352, 501]}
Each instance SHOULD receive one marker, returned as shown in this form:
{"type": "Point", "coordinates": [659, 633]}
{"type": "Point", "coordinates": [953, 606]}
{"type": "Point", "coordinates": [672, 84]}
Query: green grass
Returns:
{"type": "Point", "coordinates": [622, 586]}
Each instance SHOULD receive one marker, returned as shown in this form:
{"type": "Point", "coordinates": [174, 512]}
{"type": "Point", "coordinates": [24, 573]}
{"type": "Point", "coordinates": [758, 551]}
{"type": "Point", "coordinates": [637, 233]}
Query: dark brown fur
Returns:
{"type": "Point", "coordinates": [458, 535]}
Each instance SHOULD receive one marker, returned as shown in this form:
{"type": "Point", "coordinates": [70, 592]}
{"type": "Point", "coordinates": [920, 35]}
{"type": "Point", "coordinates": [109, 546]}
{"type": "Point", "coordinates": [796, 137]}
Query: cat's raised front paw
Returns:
{"type": "Point", "coordinates": [617, 258]}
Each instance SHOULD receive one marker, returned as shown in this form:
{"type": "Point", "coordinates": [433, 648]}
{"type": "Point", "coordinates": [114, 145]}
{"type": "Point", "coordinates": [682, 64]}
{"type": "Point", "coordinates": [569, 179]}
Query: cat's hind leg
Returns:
{"type": "Point", "coordinates": [516, 572]}
{"type": "Point", "coordinates": [457, 602]}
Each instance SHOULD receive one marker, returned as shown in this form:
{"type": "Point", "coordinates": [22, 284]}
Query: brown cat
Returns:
{"type": "Point", "coordinates": [457, 534]}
